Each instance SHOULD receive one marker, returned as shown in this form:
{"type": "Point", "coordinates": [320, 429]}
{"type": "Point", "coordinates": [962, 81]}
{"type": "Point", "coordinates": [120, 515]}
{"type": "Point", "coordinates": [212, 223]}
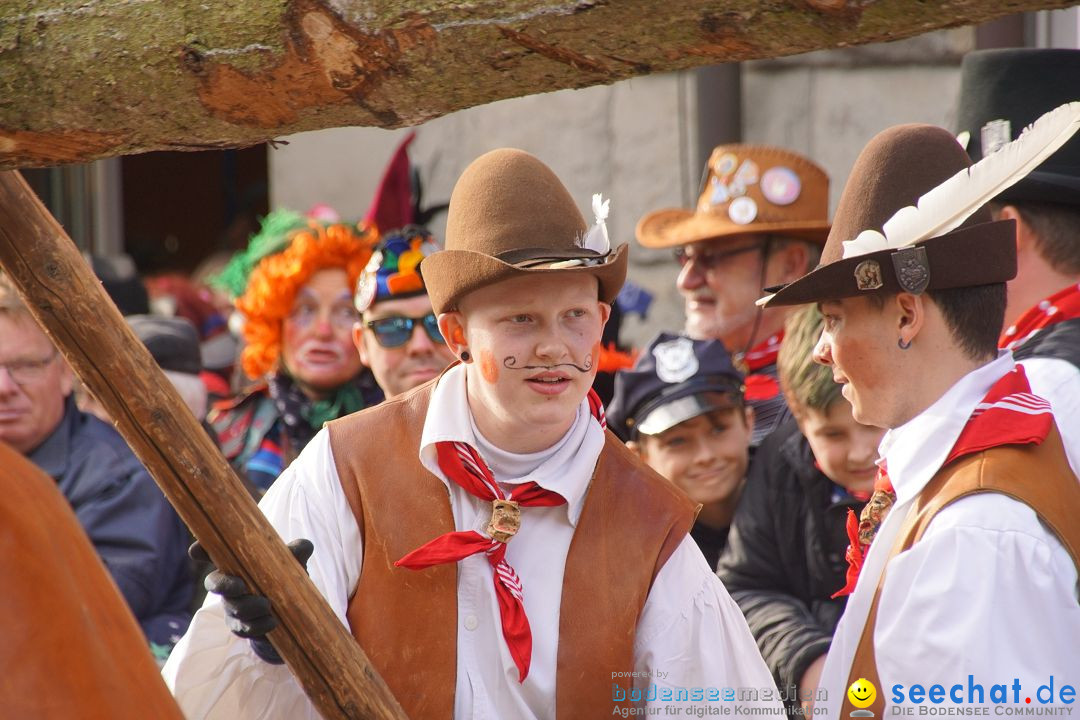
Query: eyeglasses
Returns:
{"type": "Point", "coordinates": [24, 372]}
{"type": "Point", "coordinates": [342, 317]}
{"type": "Point", "coordinates": [396, 330]}
{"type": "Point", "coordinates": [709, 259]}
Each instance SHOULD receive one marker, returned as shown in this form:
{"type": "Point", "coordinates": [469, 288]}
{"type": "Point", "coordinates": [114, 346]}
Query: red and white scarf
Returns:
{"type": "Point", "coordinates": [1009, 414]}
{"type": "Point", "coordinates": [1062, 305]}
{"type": "Point", "coordinates": [462, 464]}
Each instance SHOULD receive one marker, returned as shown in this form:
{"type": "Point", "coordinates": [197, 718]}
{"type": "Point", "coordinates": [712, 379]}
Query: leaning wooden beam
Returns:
{"type": "Point", "coordinates": [84, 80]}
{"type": "Point", "coordinates": [70, 304]}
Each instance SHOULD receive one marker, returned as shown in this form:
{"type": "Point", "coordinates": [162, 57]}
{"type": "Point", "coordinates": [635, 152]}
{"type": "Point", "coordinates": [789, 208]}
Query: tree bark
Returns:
{"type": "Point", "coordinates": [85, 80]}
{"type": "Point", "coordinates": [70, 304]}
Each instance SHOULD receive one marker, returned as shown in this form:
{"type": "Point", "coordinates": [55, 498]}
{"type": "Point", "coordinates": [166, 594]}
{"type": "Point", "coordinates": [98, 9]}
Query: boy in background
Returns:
{"type": "Point", "coordinates": [682, 409]}
{"type": "Point", "coordinates": [784, 560]}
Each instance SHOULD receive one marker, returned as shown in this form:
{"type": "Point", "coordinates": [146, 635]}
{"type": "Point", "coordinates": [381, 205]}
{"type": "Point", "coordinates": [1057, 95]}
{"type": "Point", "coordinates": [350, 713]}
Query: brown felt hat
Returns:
{"type": "Point", "coordinates": [749, 190]}
{"type": "Point", "coordinates": [510, 216]}
{"type": "Point", "coordinates": [894, 170]}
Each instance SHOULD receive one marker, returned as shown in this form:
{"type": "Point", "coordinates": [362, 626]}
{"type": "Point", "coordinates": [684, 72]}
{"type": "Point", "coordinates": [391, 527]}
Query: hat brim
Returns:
{"type": "Point", "coordinates": [683, 407]}
{"type": "Point", "coordinates": [1044, 187]}
{"type": "Point", "coordinates": [450, 275]}
{"type": "Point", "coordinates": [677, 226]}
{"type": "Point", "coordinates": [981, 254]}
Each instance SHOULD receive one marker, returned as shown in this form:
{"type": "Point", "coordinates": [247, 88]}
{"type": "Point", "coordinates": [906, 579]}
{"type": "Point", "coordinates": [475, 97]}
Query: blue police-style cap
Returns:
{"type": "Point", "coordinates": [674, 380]}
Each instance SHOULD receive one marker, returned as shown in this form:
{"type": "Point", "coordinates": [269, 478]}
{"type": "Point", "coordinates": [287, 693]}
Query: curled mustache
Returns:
{"type": "Point", "coordinates": [510, 363]}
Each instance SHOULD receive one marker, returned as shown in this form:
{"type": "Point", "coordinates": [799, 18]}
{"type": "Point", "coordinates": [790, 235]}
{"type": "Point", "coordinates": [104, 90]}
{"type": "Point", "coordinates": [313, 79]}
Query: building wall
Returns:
{"type": "Point", "coordinates": [634, 141]}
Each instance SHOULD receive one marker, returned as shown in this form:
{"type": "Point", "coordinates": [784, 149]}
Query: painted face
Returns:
{"type": "Point", "coordinates": [719, 281]}
{"type": "Point", "coordinates": [845, 450]}
{"type": "Point", "coordinates": [859, 343]}
{"type": "Point", "coordinates": [706, 456]}
{"type": "Point", "coordinates": [317, 346]}
{"type": "Point", "coordinates": [34, 382]}
{"type": "Point", "coordinates": [535, 341]}
{"type": "Point", "coordinates": [413, 362]}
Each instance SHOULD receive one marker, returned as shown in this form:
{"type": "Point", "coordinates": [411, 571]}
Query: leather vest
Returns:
{"type": "Point", "coordinates": [406, 621]}
{"type": "Point", "coordinates": [1008, 469]}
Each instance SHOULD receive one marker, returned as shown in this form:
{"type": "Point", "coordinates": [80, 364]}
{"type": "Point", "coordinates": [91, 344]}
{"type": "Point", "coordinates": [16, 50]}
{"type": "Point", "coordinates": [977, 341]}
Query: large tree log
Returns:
{"type": "Point", "coordinates": [72, 307]}
{"type": "Point", "coordinates": [96, 78]}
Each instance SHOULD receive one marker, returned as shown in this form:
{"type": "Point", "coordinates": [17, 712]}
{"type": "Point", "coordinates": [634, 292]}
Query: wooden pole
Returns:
{"type": "Point", "coordinates": [70, 304]}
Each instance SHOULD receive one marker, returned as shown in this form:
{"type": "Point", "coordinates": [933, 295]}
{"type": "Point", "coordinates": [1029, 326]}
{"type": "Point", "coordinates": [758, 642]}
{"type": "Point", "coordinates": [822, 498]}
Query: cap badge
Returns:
{"type": "Point", "coordinates": [868, 275]}
{"type": "Point", "coordinates": [675, 360]}
{"type": "Point", "coordinates": [994, 134]}
{"type": "Point", "coordinates": [780, 185]}
{"type": "Point", "coordinates": [912, 269]}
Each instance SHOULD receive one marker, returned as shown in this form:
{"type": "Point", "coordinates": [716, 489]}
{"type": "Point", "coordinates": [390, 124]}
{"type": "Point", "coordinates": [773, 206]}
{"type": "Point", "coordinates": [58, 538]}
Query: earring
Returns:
{"type": "Point", "coordinates": [465, 356]}
{"type": "Point", "coordinates": [903, 345]}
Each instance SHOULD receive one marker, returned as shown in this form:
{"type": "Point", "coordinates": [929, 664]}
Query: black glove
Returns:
{"type": "Point", "coordinates": [247, 615]}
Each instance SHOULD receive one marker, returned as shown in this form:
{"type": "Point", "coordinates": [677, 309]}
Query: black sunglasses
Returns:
{"type": "Point", "coordinates": [395, 331]}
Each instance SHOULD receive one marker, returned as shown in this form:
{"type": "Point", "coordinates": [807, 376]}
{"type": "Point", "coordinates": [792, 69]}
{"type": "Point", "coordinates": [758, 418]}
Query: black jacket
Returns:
{"type": "Point", "coordinates": [785, 555]}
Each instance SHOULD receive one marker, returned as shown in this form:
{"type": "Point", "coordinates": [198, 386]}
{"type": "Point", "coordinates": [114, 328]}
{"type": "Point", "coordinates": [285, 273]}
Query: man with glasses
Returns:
{"type": "Point", "coordinates": [398, 334]}
{"type": "Point", "coordinates": [760, 221]}
{"type": "Point", "coordinates": [135, 531]}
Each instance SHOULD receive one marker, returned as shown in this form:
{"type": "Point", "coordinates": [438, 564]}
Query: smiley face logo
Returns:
{"type": "Point", "coordinates": [862, 693]}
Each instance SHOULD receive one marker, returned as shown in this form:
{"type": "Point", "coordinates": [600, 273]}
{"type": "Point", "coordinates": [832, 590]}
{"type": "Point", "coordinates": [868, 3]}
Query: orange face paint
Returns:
{"type": "Point", "coordinates": [595, 359]}
{"type": "Point", "coordinates": [488, 368]}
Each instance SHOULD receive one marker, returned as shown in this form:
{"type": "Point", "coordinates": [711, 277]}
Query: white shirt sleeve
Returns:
{"type": "Point", "coordinates": [215, 674]}
{"type": "Point", "coordinates": [987, 592]}
{"type": "Point", "coordinates": [692, 635]}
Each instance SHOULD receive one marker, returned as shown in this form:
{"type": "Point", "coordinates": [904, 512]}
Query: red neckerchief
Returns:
{"type": "Point", "coordinates": [1062, 305]}
{"type": "Point", "coordinates": [761, 386]}
{"type": "Point", "coordinates": [462, 464]}
{"type": "Point", "coordinates": [1009, 414]}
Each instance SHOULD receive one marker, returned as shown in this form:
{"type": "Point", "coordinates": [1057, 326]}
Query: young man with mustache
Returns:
{"type": "Point", "coordinates": [964, 564]}
{"type": "Point", "coordinates": [761, 220]}
{"type": "Point", "coordinates": [498, 553]}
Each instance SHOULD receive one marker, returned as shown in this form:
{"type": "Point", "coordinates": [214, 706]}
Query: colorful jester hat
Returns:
{"type": "Point", "coordinates": [391, 273]}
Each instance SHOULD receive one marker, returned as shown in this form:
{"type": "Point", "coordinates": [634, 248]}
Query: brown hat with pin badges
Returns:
{"type": "Point", "coordinates": [748, 190]}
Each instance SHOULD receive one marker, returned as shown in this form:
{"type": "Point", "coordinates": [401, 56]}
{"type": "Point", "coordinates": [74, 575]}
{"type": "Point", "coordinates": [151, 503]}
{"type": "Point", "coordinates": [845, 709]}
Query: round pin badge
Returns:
{"type": "Point", "coordinates": [726, 164]}
{"type": "Point", "coordinates": [742, 210]}
{"type": "Point", "coordinates": [780, 185]}
{"type": "Point", "coordinates": [368, 284]}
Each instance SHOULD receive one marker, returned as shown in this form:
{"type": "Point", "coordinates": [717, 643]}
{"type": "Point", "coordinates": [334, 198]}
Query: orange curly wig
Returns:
{"type": "Point", "coordinates": [274, 282]}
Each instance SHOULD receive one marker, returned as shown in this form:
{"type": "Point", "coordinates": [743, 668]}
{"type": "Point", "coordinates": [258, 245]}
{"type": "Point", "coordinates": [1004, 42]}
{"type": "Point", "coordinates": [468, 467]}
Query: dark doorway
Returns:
{"type": "Point", "coordinates": [181, 207]}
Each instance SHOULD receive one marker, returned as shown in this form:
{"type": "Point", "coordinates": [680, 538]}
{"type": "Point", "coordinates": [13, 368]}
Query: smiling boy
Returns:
{"type": "Point", "coordinates": [496, 553]}
{"type": "Point", "coordinates": [682, 409]}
